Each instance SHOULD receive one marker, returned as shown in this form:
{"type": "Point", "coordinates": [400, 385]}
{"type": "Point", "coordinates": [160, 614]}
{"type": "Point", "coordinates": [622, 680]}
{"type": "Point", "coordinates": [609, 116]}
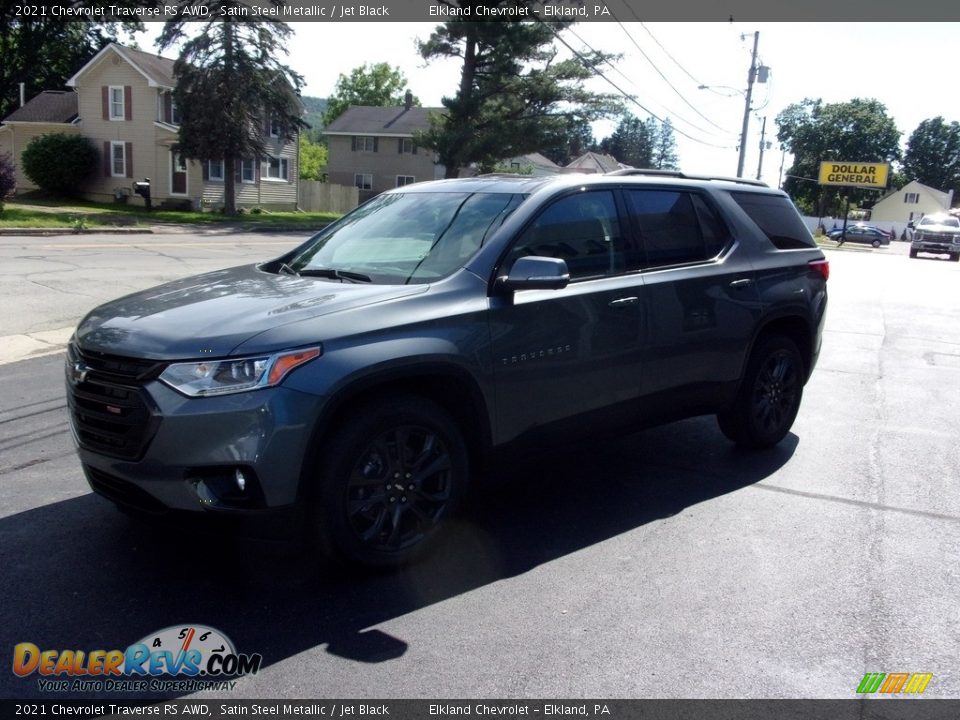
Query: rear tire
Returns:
{"type": "Point", "coordinates": [876, 243]}
{"type": "Point", "coordinates": [954, 257]}
{"type": "Point", "coordinates": [769, 396]}
{"type": "Point", "coordinates": [386, 482]}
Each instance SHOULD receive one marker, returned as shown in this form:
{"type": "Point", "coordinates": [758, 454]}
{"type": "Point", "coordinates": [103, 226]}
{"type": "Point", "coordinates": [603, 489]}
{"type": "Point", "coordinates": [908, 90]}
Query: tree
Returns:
{"type": "Point", "coordinates": [577, 140]}
{"type": "Point", "coordinates": [59, 163]}
{"type": "Point", "coordinates": [859, 130]}
{"type": "Point", "coordinates": [313, 159]}
{"type": "Point", "coordinates": [515, 96]}
{"type": "Point", "coordinates": [377, 85]}
{"type": "Point", "coordinates": [665, 148]}
{"type": "Point", "coordinates": [44, 51]}
{"type": "Point", "coordinates": [632, 142]}
{"type": "Point", "coordinates": [933, 155]}
{"type": "Point", "coordinates": [231, 88]}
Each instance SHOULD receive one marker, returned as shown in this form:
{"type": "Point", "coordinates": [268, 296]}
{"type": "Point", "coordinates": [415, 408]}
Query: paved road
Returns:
{"type": "Point", "coordinates": [664, 564]}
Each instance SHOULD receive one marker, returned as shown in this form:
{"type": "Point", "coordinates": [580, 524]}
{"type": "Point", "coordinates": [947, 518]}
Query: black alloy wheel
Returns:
{"type": "Point", "coordinates": [769, 396]}
{"type": "Point", "coordinates": [387, 480]}
{"type": "Point", "coordinates": [399, 488]}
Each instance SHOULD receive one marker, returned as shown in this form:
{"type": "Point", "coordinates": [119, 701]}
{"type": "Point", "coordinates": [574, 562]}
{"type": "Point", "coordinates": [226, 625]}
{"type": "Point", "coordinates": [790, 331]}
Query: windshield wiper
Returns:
{"type": "Point", "coordinates": [340, 275]}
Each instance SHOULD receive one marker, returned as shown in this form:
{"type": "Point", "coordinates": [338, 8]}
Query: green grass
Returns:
{"type": "Point", "coordinates": [52, 213]}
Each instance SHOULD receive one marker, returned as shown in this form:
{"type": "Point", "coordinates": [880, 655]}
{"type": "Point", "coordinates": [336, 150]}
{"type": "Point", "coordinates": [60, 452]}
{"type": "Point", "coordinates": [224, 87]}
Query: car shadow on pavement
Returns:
{"type": "Point", "coordinates": [77, 574]}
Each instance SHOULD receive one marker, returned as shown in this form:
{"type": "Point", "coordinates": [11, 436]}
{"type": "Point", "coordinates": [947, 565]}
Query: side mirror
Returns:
{"type": "Point", "coordinates": [535, 273]}
{"type": "Point", "coordinates": [910, 224]}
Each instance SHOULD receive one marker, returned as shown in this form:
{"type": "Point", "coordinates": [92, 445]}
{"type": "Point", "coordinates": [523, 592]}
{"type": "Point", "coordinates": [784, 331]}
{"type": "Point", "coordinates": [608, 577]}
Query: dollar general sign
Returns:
{"type": "Point", "coordinates": [859, 174]}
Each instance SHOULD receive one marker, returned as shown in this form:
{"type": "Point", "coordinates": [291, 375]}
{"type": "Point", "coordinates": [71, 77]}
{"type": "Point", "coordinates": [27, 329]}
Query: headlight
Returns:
{"type": "Point", "coordinates": [219, 377]}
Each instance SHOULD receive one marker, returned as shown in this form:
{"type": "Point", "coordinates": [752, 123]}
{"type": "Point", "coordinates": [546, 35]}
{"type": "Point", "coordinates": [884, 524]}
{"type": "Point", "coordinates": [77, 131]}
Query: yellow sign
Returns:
{"type": "Point", "coordinates": [859, 174]}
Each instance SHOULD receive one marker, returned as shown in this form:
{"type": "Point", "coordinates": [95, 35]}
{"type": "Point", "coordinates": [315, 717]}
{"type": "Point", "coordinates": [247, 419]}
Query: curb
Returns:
{"type": "Point", "coordinates": [71, 231]}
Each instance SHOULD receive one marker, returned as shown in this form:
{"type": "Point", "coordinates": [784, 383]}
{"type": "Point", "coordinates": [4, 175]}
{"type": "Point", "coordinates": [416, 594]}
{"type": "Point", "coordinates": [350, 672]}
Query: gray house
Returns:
{"type": "Point", "coordinates": [373, 148]}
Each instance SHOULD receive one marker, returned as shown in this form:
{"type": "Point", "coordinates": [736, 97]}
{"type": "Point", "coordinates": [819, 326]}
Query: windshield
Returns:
{"type": "Point", "coordinates": [406, 238]}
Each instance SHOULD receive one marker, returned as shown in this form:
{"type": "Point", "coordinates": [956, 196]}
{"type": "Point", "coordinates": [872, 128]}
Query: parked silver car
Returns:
{"type": "Point", "coordinates": [939, 234]}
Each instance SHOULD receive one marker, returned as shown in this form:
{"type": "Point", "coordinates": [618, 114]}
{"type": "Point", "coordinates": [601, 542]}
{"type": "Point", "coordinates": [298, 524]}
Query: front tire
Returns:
{"type": "Point", "coordinates": [769, 397]}
{"type": "Point", "coordinates": [913, 253]}
{"type": "Point", "coordinates": [387, 480]}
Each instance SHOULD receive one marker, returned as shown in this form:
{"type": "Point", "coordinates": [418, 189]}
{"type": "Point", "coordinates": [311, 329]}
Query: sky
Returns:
{"type": "Point", "coordinates": [663, 64]}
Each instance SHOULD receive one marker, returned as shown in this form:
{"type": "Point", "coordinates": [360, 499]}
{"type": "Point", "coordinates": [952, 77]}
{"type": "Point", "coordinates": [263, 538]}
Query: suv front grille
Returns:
{"type": "Point", "coordinates": [109, 408]}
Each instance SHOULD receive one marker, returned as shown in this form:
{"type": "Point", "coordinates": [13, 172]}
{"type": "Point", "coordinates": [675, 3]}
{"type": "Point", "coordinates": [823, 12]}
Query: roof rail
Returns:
{"type": "Point", "coordinates": [684, 176]}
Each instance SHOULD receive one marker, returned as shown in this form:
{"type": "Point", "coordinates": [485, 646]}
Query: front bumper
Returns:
{"type": "Point", "coordinates": [187, 452]}
{"type": "Point", "coordinates": [934, 246]}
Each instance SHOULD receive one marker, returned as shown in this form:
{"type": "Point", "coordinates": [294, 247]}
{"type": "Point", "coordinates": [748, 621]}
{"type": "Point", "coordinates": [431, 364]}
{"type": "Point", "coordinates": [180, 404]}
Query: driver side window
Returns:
{"type": "Point", "coordinates": [581, 229]}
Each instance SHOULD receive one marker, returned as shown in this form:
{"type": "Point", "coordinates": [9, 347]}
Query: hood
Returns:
{"type": "Point", "coordinates": [211, 314]}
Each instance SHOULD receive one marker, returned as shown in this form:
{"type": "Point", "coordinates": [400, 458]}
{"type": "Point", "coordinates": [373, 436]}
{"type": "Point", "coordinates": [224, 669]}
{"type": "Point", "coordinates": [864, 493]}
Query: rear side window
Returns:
{"type": "Point", "coordinates": [778, 218]}
{"type": "Point", "coordinates": [675, 227]}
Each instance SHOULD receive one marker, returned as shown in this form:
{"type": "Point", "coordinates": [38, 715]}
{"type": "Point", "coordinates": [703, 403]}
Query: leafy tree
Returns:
{"type": "Point", "coordinates": [313, 159]}
{"type": "Point", "coordinates": [378, 85]}
{"type": "Point", "coordinates": [665, 148]}
{"type": "Point", "coordinates": [933, 155]}
{"type": "Point", "coordinates": [231, 88]}
{"type": "Point", "coordinates": [8, 180]}
{"type": "Point", "coordinates": [515, 96]}
{"type": "Point", "coordinates": [44, 51]}
{"type": "Point", "coordinates": [812, 131]}
{"type": "Point", "coordinates": [59, 163]}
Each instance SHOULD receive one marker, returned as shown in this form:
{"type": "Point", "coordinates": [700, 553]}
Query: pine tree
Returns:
{"type": "Point", "coordinates": [231, 89]}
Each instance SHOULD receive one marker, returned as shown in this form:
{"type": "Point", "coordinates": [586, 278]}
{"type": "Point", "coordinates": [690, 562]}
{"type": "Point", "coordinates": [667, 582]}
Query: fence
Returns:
{"type": "Point", "coordinates": [316, 196]}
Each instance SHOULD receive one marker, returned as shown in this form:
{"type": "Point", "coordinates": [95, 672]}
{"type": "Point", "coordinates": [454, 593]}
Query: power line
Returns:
{"type": "Point", "coordinates": [675, 114]}
{"type": "Point", "coordinates": [629, 97]}
{"type": "Point", "coordinates": [664, 77]}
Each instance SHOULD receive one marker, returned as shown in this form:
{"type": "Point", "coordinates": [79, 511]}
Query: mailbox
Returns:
{"type": "Point", "coordinates": [143, 190]}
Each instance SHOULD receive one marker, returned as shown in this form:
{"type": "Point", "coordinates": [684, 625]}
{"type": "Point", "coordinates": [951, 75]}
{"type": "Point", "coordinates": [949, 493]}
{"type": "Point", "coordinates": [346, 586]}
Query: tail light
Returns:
{"type": "Point", "coordinates": [822, 267]}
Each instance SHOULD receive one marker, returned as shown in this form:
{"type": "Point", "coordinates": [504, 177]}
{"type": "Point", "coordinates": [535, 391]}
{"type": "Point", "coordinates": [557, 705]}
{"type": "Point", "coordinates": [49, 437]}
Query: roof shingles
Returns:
{"type": "Point", "coordinates": [50, 106]}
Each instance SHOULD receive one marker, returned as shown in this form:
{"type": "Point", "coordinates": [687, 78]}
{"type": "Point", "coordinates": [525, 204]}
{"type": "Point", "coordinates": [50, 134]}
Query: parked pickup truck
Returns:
{"type": "Point", "coordinates": [937, 234]}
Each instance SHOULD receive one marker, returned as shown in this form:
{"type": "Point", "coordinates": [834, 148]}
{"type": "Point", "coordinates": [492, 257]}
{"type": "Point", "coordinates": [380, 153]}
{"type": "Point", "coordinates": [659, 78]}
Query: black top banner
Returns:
{"type": "Point", "coordinates": [493, 11]}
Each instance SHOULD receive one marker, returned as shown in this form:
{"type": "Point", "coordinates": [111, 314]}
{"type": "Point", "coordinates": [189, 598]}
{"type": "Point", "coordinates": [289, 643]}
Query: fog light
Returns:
{"type": "Point", "coordinates": [241, 480]}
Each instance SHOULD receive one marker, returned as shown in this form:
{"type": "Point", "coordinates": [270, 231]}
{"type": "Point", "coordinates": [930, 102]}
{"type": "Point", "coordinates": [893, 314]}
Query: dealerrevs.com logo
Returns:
{"type": "Point", "coordinates": [180, 658]}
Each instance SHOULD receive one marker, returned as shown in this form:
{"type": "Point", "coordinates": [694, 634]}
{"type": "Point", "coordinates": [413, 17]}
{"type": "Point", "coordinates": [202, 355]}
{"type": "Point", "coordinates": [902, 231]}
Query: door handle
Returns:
{"type": "Point", "coordinates": [624, 301]}
{"type": "Point", "coordinates": [742, 282]}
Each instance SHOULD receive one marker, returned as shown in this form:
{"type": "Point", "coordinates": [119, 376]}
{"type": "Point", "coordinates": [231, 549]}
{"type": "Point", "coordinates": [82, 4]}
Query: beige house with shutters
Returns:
{"type": "Point", "coordinates": [124, 105]}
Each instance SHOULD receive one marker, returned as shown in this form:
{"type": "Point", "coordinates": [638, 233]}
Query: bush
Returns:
{"type": "Point", "coordinates": [59, 163]}
{"type": "Point", "coordinates": [7, 181]}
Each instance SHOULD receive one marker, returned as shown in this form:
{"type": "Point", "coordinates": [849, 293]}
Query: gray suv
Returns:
{"type": "Point", "coordinates": [352, 386]}
{"type": "Point", "coordinates": [938, 233]}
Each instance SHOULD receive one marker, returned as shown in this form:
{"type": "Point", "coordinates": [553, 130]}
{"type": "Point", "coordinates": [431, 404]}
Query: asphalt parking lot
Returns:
{"type": "Point", "coordinates": [663, 564]}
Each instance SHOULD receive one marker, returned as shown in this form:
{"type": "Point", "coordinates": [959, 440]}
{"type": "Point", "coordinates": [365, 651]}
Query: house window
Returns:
{"type": "Point", "coordinates": [174, 111]}
{"type": "Point", "coordinates": [277, 168]}
{"type": "Point", "coordinates": [364, 143]}
{"type": "Point", "coordinates": [275, 129]}
{"type": "Point", "coordinates": [247, 172]}
{"type": "Point", "coordinates": [515, 166]}
{"type": "Point", "coordinates": [118, 159]}
{"type": "Point", "coordinates": [215, 170]}
{"type": "Point", "coordinates": [911, 198]}
{"type": "Point", "coordinates": [117, 111]}
{"type": "Point", "coordinates": [405, 180]}
{"type": "Point", "coordinates": [407, 146]}
{"type": "Point", "coordinates": [364, 181]}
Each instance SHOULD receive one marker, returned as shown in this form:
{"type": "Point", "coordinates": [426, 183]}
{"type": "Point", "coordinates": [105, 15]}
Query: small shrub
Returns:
{"type": "Point", "coordinates": [7, 180]}
{"type": "Point", "coordinates": [59, 163]}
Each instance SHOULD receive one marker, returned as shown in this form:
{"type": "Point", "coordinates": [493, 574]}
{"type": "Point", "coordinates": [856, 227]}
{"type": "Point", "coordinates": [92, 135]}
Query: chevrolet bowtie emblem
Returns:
{"type": "Point", "coordinates": [80, 371]}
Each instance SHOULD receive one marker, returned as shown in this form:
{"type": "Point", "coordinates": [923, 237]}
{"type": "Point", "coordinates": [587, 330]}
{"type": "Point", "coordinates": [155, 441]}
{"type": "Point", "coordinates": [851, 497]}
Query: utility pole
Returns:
{"type": "Point", "coordinates": [746, 109]}
{"type": "Point", "coordinates": [763, 134]}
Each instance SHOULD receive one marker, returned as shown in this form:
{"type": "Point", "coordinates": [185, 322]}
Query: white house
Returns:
{"type": "Point", "coordinates": [911, 202]}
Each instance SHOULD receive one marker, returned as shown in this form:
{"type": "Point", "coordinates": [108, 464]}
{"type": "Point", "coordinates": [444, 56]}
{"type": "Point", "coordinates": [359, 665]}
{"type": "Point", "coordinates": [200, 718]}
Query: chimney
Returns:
{"type": "Point", "coordinates": [23, 96]}
{"type": "Point", "coordinates": [408, 100]}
